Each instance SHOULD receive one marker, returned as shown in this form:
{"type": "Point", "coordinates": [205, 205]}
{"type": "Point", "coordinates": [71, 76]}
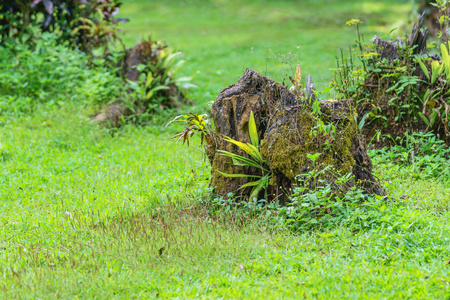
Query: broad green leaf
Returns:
{"type": "Point", "coordinates": [313, 157]}
{"type": "Point", "coordinates": [149, 79]}
{"type": "Point", "coordinates": [252, 183]}
{"type": "Point", "coordinates": [159, 88]}
{"type": "Point", "coordinates": [424, 68]}
{"type": "Point", "coordinates": [436, 71]}
{"type": "Point", "coordinates": [433, 118]}
{"type": "Point", "coordinates": [424, 119]}
{"type": "Point", "coordinates": [446, 60]}
{"type": "Point", "coordinates": [392, 30]}
{"type": "Point", "coordinates": [445, 56]}
{"type": "Point", "coordinates": [170, 59]}
{"type": "Point", "coordinates": [256, 189]}
{"type": "Point", "coordinates": [363, 119]}
{"type": "Point", "coordinates": [245, 161]}
{"type": "Point", "coordinates": [252, 130]}
{"type": "Point", "coordinates": [425, 97]}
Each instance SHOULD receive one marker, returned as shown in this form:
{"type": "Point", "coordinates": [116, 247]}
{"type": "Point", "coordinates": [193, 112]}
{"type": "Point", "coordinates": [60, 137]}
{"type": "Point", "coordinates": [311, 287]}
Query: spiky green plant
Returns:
{"type": "Point", "coordinates": [256, 160]}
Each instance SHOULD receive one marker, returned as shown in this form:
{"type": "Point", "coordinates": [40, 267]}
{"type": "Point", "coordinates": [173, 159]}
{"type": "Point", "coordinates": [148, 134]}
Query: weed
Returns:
{"type": "Point", "coordinates": [424, 154]}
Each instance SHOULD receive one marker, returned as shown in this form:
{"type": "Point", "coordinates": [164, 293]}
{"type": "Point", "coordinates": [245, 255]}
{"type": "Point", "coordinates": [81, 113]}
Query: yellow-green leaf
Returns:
{"type": "Point", "coordinates": [298, 76]}
{"type": "Point", "coordinates": [436, 71]}
{"type": "Point", "coordinates": [255, 153]}
{"type": "Point", "coordinates": [149, 79]}
{"type": "Point", "coordinates": [252, 130]}
{"type": "Point", "coordinates": [237, 175]}
{"type": "Point", "coordinates": [424, 68]}
{"type": "Point", "coordinates": [353, 22]}
{"type": "Point", "coordinates": [244, 147]}
{"type": "Point", "coordinates": [425, 97]}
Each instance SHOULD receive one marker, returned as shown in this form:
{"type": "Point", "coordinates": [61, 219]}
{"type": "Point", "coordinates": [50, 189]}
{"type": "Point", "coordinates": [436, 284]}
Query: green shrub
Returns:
{"type": "Point", "coordinates": [395, 86]}
{"type": "Point", "coordinates": [153, 83]}
{"type": "Point", "coordinates": [86, 24]}
{"type": "Point", "coordinates": [50, 74]}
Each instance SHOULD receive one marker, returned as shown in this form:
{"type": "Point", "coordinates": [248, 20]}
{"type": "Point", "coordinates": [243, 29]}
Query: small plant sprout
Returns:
{"type": "Point", "coordinates": [297, 81]}
{"type": "Point", "coordinates": [313, 157]}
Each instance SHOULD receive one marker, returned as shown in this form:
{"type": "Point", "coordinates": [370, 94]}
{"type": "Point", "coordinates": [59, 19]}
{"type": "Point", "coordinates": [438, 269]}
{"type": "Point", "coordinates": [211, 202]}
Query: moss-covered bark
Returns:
{"type": "Point", "coordinates": [289, 130]}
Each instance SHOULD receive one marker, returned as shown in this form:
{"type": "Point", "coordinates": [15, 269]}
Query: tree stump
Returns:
{"type": "Point", "coordinates": [286, 126]}
{"type": "Point", "coordinates": [141, 54]}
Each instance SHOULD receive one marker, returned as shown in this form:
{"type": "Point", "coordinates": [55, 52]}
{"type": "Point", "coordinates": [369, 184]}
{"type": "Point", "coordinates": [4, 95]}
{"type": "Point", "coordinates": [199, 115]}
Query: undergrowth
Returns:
{"type": "Point", "coordinates": [50, 74]}
{"type": "Point", "coordinates": [423, 155]}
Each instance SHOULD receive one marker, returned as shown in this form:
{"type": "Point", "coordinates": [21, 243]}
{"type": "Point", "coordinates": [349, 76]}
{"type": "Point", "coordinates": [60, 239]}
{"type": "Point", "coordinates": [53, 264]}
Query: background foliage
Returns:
{"type": "Point", "coordinates": [87, 24]}
{"type": "Point", "coordinates": [49, 74]}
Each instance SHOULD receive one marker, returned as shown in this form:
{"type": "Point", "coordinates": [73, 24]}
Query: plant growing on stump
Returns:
{"type": "Point", "coordinates": [197, 124]}
{"type": "Point", "coordinates": [256, 160]}
{"type": "Point", "coordinates": [86, 24]}
{"type": "Point", "coordinates": [157, 85]}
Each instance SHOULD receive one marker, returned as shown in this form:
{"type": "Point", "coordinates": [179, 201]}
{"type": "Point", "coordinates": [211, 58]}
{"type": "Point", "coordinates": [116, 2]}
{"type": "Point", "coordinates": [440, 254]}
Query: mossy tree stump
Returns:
{"type": "Point", "coordinates": [286, 125]}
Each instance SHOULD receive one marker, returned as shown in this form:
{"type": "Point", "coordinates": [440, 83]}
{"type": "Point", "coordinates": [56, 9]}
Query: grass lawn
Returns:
{"type": "Point", "coordinates": [89, 214]}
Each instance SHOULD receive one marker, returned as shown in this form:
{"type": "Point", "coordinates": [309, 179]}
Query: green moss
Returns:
{"type": "Point", "coordinates": [286, 142]}
{"type": "Point", "coordinates": [286, 147]}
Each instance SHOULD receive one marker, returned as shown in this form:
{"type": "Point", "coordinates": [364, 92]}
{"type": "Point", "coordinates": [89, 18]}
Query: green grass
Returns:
{"type": "Point", "coordinates": [89, 213]}
{"type": "Point", "coordinates": [223, 38]}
